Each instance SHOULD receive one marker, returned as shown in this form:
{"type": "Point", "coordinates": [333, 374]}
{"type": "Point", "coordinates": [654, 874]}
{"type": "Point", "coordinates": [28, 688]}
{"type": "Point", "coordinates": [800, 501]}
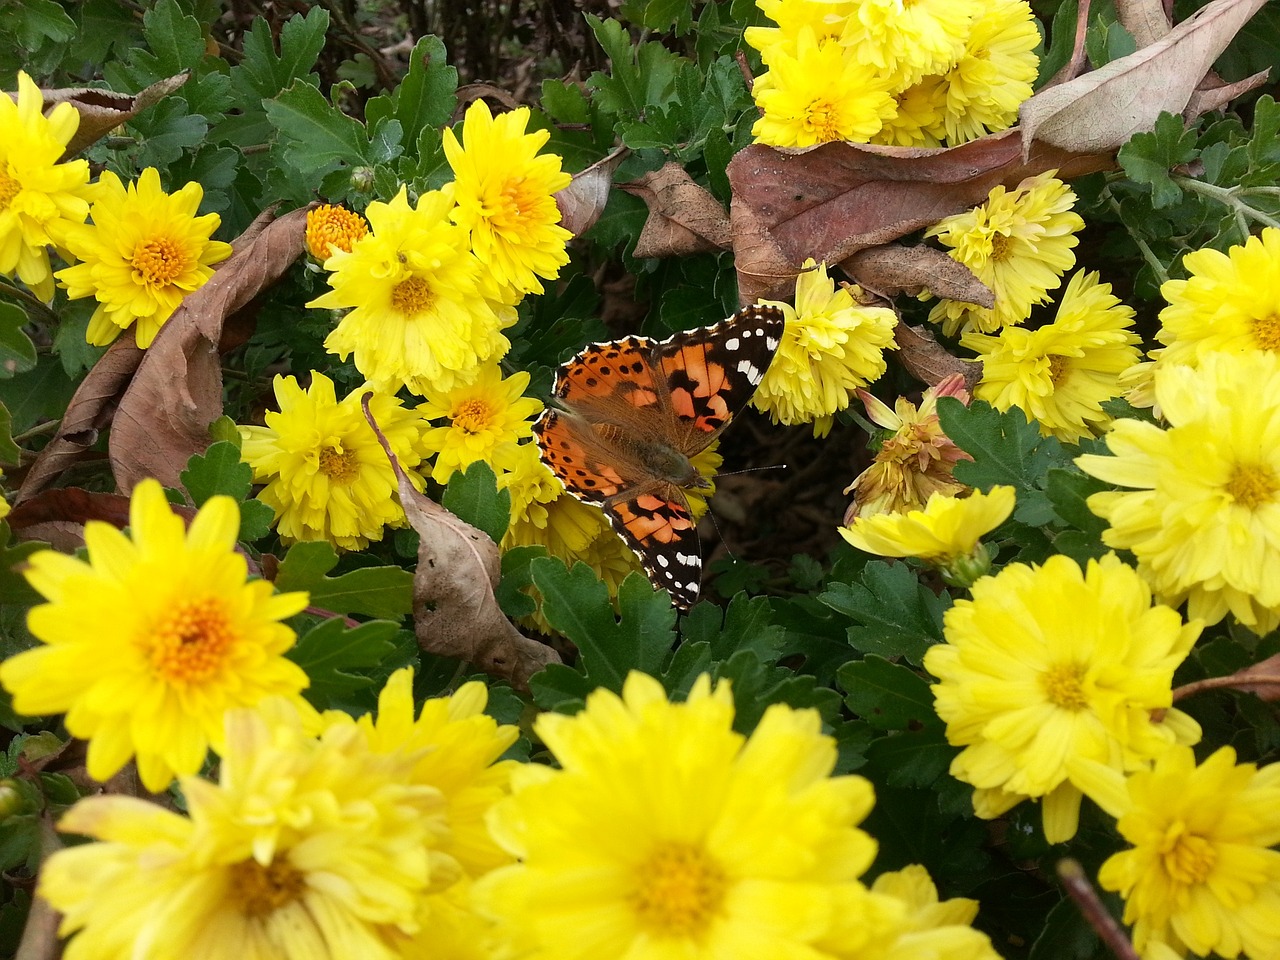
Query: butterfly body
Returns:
{"type": "Point", "coordinates": [636, 412]}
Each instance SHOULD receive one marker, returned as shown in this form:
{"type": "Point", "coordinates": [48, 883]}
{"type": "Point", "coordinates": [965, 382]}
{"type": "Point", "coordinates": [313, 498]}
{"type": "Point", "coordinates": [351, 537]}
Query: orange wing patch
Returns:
{"type": "Point", "coordinates": [620, 368]}
{"type": "Point", "coordinates": [699, 387]}
{"type": "Point", "coordinates": [583, 475]}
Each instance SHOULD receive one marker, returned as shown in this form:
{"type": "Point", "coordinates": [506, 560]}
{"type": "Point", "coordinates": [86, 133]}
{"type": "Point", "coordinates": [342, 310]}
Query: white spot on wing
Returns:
{"type": "Point", "coordinates": [752, 372]}
{"type": "Point", "coordinates": [688, 559]}
{"type": "Point", "coordinates": [732, 343]}
{"type": "Point", "coordinates": [662, 561]}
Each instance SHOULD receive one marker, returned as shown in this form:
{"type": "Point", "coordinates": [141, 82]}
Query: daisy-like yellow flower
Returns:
{"type": "Point", "coordinates": [994, 73]}
{"type": "Point", "coordinates": [1203, 517]}
{"type": "Point", "coordinates": [932, 929]}
{"type": "Point", "coordinates": [1019, 243]}
{"type": "Point", "coordinates": [664, 833]}
{"type": "Point", "coordinates": [487, 419]}
{"type": "Point", "coordinates": [308, 848]}
{"type": "Point", "coordinates": [1047, 665]}
{"type": "Point", "coordinates": [39, 197]}
{"type": "Point", "coordinates": [826, 18]}
{"type": "Point", "coordinates": [424, 311]}
{"type": "Point", "coordinates": [915, 461]}
{"type": "Point", "coordinates": [504, 191]}
{"type": "Point", "coordinates": [817, 95]}
{"type": "Point", "coordinates": [1060, 374]}
{"type": "Point", "coordinates": [919, 120]}
{"type": "Point", "coordinates": [147, 645]}
{"type": "Point", "coordinates": [947, 533]}
{"type": "Point", "coordinates": [831, 346]}
{"type": "Point", "coordinates": [907, 41]}
{"type": "Point", "coordinates": [144, 252]}
{"type": "Point", "coordinates": [1202, 873]}
{"type": "Point", "coordinates": [331, 228]}
{"type": "Point", "coordinates": [326, 475]}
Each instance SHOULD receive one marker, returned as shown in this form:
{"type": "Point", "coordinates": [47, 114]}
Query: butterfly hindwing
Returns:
{"type": "Point", "coordinates": [659, 526]}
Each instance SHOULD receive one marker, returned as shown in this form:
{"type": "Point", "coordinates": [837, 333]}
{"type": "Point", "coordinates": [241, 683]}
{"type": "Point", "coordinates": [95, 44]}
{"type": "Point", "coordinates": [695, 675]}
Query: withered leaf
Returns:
{"type": "Point", "coordinates": [58, 516]}
{"type": "Point", "coordinates": [892, 269]}
{"type": "Point", "coordinates": [455, 613]}
{"type": "Point", "coordinates": [1262, 679]}
{"type": "Point", "coordinates": [101, 111]}
{"type": "Point", "coordinates": [584, 199]}
{"type": "Point", "coordinates": [928, 361]}
{"type": "Point", "coordinates": [683, 217]}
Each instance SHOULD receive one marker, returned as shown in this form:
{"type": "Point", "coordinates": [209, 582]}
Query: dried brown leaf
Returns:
{"type": "Point", "coordinates": [101, 111]}
{"type": "Point", "coordinates": [1215, 97]}
{"type": "Point", "coordinates": [683, 217]}
{"type": "Point", "coordinates": [165, 413]}
{"type": "Point", "coordinates": [584, 199]}
{"type": "Point", "coordinates": [892, 269]}
{"type": "Point", "coordinates": [1262, 680]}
{"type": "Point", "coordinates": [928, 361]}
{"type": "Point", "coordinates": [1146, 20]}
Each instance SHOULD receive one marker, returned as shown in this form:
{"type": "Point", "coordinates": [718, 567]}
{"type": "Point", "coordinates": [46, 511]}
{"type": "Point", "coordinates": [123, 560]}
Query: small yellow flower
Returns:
{"type": "Point", "coordinates": [144, 252]}
{"type": "Point", "coordinates": [1202, 873]}
{"type": "Point", "coordinates": [326, 475]}
{"type": "Point", "coordinates": [504, 191]}
{"type": "Point", "coordinates": [39, 196]}
{"type": "Point", "coordinates": [826, 18]}
{"type": "Point", "coordinates": [931, 928]}
{"type": "Point", "coordinates": [1047, 665]}
{"type": "Point", "coordinates": [919, 120]}
{"type": "Point", "coordinates": [831, 346]}
{"type": "Point", "coordinates": [994, 74]}
{"type": "Point", "coordinates": [1019, 243]}
{"type": "Point", "coordinates": [331, 228]}
{"type": "Point", "coordinates": [907, 41]}
{"type": "Point", "coordinates": [148, 644]}
{"type": "Point", "coordinates": [1060, 374]}
{"type": "Point", "coordinates": [487, 419]}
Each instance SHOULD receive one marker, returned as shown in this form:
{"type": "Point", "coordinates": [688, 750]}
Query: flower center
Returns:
{"type": "Point", "coordinates": [158, 262]}
{"type": "Point", "coordinates": [1059, 367]}
{"type": "Point", "coordinates": [9, 187]}
{"type": "Point", "coordinates": [1266, 332]}
{"type": "Point", "coordinates": [1062, 685]}
{"type": "Point", "coordinates": [1001, 248]}
{"type": "Point", "coordinates": [191, 642]}
{"type": "Point", "coordinates": [1188, 859]}
{"type": "Point", "coordinates": [473, 416]}
{"type": "Point", "coordinates": [263, 890]}
{"type": "Point", "coordinates": [1252, 485]}
{"type": "Point", "coordinates": [412, 296]}
{"type": "Point", "coordinates": [340, 466]}
{"type": "Point", "coordinates": [821, 116]}
{"type": "Point", "coordinates": [681, 889]}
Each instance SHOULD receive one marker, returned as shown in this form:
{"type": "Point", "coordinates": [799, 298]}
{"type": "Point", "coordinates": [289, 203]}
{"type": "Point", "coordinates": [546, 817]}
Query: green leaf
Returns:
{"type": "Point", "coordinates": [642, 78]}
{"type": "Point", "coordinates": [911, 758]}
{"type": "Point", "coordinates": [332, 656]}
{"type": "Point", "coordinates": [746, 624]}
{"type": "Point", "coordinates": [218, 470]}
{"type": "Point", "coordinates": [1148, 158]}
{"type": "Point", "coordinates": [1069, 491]}
{"type": "Point", "coordinates": [426, 96]}
{"type": "Point", "coordinates": [473, 496]}
{"type": "Point", "coordinates": [9, 451]}
{"type": "Point", "coordinates": [261, 73]}
{"type": "Point", "coordinates": [42, 21]}
{"type": "Point", "coordinates": [17, 352]}
{"type": "Point", "coordinates": [756, 686]}
{"type": "Point", "coordinates": [175, 42]}
{"type": "Point", "coordinates": [14, 588]}
{"type": "Point", "coordinates": [516, 576]}
{"type": "Point", "coordinates": [318, 138]}
{"type": "Point", "coordinates": [384, 592]}
{"type": "Point", "coordinates": [895, 614]}
{"type": "Point", "coordinates": [661, 15]}
{"type": "Point", "coordinates": [887, 695]}
{"type": "Point", "coordinates": [167, 131]}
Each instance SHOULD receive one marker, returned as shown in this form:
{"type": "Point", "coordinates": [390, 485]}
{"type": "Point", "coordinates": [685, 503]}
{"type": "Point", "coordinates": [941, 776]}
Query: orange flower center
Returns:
{"type": "Point", "coordinates": [1062, 685]}
{"type": "Point", "coordinates": [1252, 485]}
{"type": "Point", "coordinates": [1188, 859]}
{"type": "Point", "coordinates": [1266, 332]}
{"type": "Point", "coordinates": [412, 296]}
{"type": "Point", "coordinates": [9, 187]}
{"type": "Point", "coordinates": [1001, 247]}
{"type": "Point", "coordinates": [1059, 367]}
{"type": "Point", "coordinates": [473, 416]}
{"type": "Point", "coordinates": [158, 262]}
{"type": "Point", "coordinates": [340, 466]}
{"type": "Point", "coordinates": [192, 641]}
{"type": "Point", "coordinates": [261, 890]}
{"type": "Point", "coordinates": [332, 228]}
{"type": "Point", "coordinates": [681, 889]}
{"type": "Point", "coordinates": [822, 119]}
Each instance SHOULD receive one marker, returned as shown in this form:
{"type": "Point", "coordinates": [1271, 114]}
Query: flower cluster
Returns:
{"type": "Point", "coordinates": [926, 73]}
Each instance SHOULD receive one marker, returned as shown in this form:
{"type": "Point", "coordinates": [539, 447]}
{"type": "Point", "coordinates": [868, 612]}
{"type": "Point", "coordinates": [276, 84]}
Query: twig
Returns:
{"type": "Point", "coordinates": [1092, 909]}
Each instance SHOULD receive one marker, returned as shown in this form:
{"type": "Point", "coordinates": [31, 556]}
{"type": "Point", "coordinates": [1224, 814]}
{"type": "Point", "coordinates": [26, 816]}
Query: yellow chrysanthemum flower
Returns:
{"type": "Point", "coordinates": [993, 75]}
{"type": "Point", "coordinates": [1060, 374]}
{"type": "Point", "coordinates": [683, 838]}
{"type": "Point", "coordinates": [331, 229]}
{"type": "Point", "coordinates": [932, 929]}
{"type": "Point", "coordinates": [148, 644]}
{"type": "Point", "coordinates": [505, 196]}
{"type": "Point", "coordinates": [915, 461]}
{"type": "Point", "coordinates": [945, 534]}
{"type": "Point", "coordinates": [309, 848]}
{"type": "Point", "coordinates": [1203, 874]}
{"type": "Point", "coordinates": [1019, 243]}
{"type": "Point", "coordinates": [826, 18]}
{"type": "Point", "coordinates": [1204, 517]}
{"type": "Point", "coordinates": [1046, 665]}
{"type": "Point", "coordinates": [907, 41]}
{"type": "Point", "coordinates": [39, 197]}
{"type": "Point", "coordinates": [919, 120]}
{"type": "Point", "coordinates": [326, 475]}
{"type": "Point", "coordinates": [831, 346]}
{"type": "Point", "coordinates": [487, 419]}
{"type": "Point", "coordinates": [144, 252]}
{"type": "Point", "coordinates": [817, 95]}
{"type": "Point", "coordinates": [425, 311]}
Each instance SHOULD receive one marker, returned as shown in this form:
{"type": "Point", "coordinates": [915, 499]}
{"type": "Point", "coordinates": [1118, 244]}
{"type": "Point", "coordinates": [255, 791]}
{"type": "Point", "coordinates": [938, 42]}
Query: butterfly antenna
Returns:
{"type": "Point", "coordinates": [734, 473]}
{"type": "Point", "coordinates": [712, 514]}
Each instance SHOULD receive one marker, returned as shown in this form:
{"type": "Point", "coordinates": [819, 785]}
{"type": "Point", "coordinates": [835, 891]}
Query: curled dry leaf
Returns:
{"type": "Point", "coordinates": [1262, 680]}
{"type": "Point", "coordinates": [893, 269]}
{"type": "Point", "coordinates": [928, 361]}
{"type": "Point", "coordinates": [58, 516]}
{"type": "Point", "coordinates": [584, 199]}
{"type": "Point", "coordinates": [1101, 110]}
{"type": "Point", "coordinates": [455, 613]}
{"type": "Point", "coordinates": [101, 111]}
{"type": "Point", "coordinates": [165, 413]}
{"type": "Point", "coordinates": [683, 217]}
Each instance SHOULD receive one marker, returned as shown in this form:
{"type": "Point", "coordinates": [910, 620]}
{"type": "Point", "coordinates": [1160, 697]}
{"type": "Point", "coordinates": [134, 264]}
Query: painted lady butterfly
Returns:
{"type": "Point", "coordinates": [635, 412]}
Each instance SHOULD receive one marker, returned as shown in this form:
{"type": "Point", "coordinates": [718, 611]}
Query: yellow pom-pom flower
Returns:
{"type": "Point", "coordinates": [144, 252]}
{"type": "Point", "coordinates": [1202, 873]}
{"type": "Point", "coordinates": [1019, 243]}
{"type": "Point", "coordinates": [664, 833]}
{"type": "Point", "coordinates": [907, 41]}
{"type": "Point", "coordinates": [39, 196]}
{"type": "Point", "coordinates": [1203, 518]}
{"type": "Point", "coordinates": [326, 475]}
{"type": "Point", "coordinates": [994, 73]}
{"type": "Point", "coordinates": [931, 929]}
{"type": "Point", "coordinates": [1046, 665]}
{"type": "Point", "coordinates": [831, 346]}
{"type": "Point", "coordinates": [331, 228]}
{"type": "Point", "coordinates": [826, 18]}
{"type": "Point", "coordinates": [1060, 374]}
{"type": "Point", "coordinates": [919, 120]}
{"type": "Point", "coordinates": [487, 418]}
{"type": "Point", "coordinates": [424, 309]}
{"type": "Point", "coordinates": [308, 848]}
{"type": "Point", "coordinates": [504, 193]}
{"type": "Point", "coordinates": [147, 645]}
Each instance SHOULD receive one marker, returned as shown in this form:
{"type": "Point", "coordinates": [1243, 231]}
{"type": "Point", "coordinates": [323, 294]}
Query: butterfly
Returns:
{"type": "Point", "coordinates": [635, 412]}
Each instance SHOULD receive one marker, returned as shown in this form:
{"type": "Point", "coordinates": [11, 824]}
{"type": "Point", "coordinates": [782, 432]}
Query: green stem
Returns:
{"type": "Point", "coordinates": [1229, 197]}
{"type": "Point", "coordinates": [32, 302]}
{"type": "Point", "coordinates": [1149, 255]}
